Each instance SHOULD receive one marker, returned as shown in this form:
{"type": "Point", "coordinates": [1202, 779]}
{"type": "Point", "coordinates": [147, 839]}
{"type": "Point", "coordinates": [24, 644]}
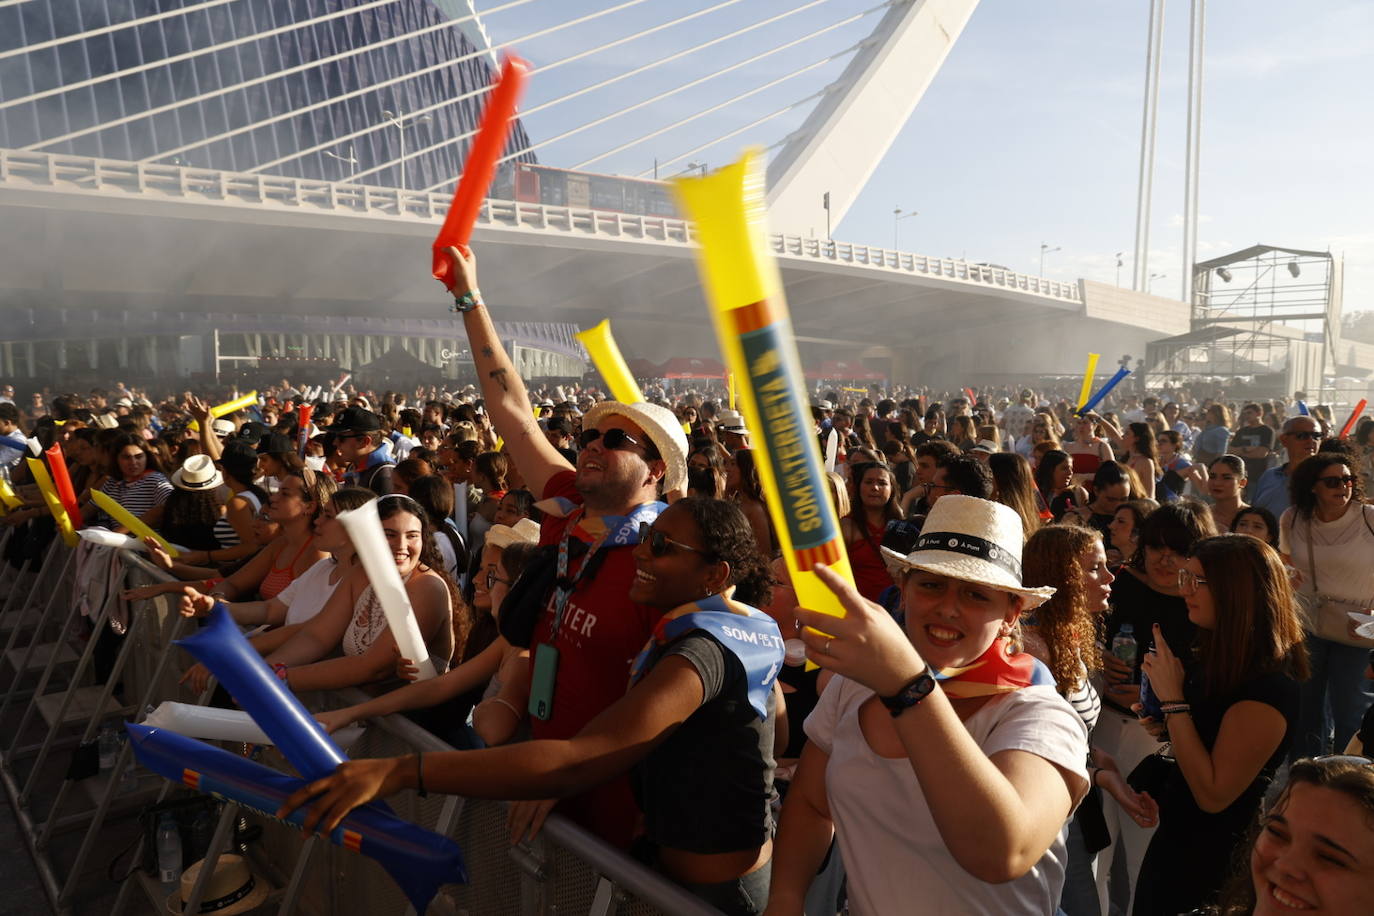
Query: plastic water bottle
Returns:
{"type": "Point", "coordinates": [168, 853]}
{"type": "Point", "coordinates": [1125, 648]}
{"type": "Point", "coordinates": [109, 747]}
{"type": "Point", "coordinates": [128, 781]}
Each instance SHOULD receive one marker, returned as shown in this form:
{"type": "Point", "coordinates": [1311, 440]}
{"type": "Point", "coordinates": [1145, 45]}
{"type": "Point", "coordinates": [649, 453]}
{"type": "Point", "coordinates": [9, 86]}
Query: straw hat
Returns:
{"type": "Point", "coordinates": [525, 531]}
{"type": "Point", "coordinates": [975, 540]}
{"type": "Point", "coordinates": [197, 473]}
{"type": "Point", "coordinates": [223, 427]}
{"type": "Point", "coordinates": [662, 427]}
{"type": "Point", "coordinates": [731, 421]}
{"type": "Point", "coordinates": [232, 888]}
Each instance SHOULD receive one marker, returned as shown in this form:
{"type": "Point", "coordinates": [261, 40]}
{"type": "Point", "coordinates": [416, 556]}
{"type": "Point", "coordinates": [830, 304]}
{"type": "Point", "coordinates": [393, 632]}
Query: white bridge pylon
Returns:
{"type": "Point", "coordinates": [849, 131]}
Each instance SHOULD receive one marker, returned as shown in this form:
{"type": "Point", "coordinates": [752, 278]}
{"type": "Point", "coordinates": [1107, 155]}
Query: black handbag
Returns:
{"type": "Point", "coordinates": [1153, 773]}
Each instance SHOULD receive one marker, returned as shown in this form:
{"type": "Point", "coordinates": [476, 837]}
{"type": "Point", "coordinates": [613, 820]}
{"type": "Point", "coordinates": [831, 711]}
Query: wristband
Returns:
{"type": "Point", "coordinates": [279, 669]}
{"type": "Point", "coordinates": [1176, 709]}
{"type": "Point", "coordinates": [468, 301]}
{"type": "Point", "coordinates": [420, 775]}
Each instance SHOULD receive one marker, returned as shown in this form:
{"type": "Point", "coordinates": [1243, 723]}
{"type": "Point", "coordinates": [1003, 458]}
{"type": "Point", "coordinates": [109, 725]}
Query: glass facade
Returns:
{"type": "Point", "coordinates": [244, 85]}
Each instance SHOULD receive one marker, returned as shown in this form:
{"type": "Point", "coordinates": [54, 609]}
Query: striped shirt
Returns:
{"type": "Point", "coordinates": [224, 532]}
{"type": "Point", "coordinates": [137, 496]}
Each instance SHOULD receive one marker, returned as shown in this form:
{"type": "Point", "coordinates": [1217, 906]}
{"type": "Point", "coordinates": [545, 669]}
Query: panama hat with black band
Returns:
{"type": "Point", "coordinates": [975, 540]}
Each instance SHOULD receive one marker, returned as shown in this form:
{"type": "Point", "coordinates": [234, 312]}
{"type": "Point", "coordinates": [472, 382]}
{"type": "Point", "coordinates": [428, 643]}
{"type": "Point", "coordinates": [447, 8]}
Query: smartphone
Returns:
{"type": "Point", "coordinates": [542, 681]}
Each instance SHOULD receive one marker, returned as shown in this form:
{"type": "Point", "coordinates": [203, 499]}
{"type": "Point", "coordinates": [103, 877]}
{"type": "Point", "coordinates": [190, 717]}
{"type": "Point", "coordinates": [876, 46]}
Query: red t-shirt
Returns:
{"type": "Point", "coordinates": [871, 576]}
{"type": "Point", "coordinates": [602, 632]}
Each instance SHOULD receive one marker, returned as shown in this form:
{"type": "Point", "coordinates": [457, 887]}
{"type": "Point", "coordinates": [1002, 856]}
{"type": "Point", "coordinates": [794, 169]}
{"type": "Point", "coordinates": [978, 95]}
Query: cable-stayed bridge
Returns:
{"type": "Point", "coordinates": [268, 174]}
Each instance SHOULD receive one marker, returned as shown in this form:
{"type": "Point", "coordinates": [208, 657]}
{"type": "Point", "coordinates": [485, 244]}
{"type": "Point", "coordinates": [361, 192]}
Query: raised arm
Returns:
{"type": "Point", "coordinates": [502, 388]}
{"type": "Point", "coordinates": [996, 814]}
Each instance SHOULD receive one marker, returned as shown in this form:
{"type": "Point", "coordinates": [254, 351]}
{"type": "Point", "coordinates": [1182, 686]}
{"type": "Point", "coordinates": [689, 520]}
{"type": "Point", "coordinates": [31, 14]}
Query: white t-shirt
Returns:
{"type": "Point", "coordinates": [307, 594]}
{"type": "Point", "coordinates": [896, 860]}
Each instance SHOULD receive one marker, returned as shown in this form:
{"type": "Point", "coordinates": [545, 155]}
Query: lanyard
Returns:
{"type": "Point", "coordinates": [620, 530]}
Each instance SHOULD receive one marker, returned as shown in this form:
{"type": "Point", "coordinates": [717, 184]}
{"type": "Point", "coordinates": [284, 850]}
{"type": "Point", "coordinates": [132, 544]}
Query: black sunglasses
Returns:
{"type": "Point", "coordinates": [611, 438]}
{"type": "Point", "coordinates": [1336, 483]}
{"type": "Point", "coordinates": [658, 541]}
{"type": "Point", "coordinates": [1306, 434]}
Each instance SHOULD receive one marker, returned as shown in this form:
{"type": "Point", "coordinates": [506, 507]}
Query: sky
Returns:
{"type": "Point", "coordinates": [1029, 134]}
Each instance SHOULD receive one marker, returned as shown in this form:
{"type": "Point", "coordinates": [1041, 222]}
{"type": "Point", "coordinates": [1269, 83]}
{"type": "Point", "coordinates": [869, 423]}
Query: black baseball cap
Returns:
{"type": "Point", "coordinates": [356, 420]}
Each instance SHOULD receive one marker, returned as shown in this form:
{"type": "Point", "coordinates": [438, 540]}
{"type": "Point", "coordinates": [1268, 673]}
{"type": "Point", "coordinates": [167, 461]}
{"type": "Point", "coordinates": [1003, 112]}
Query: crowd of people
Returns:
{"type": "Point", "coordinates": [1089, 664]}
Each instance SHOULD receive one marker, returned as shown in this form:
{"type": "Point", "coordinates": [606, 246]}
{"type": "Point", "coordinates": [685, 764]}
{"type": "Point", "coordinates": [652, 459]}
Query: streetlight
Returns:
{"type": "Point", "coordinates": [1044, 250]}
{"type": "Point", "coordinates": [349, 160]}
{"type": "Point", "coordinates": [1118, 267]}
{"type": "Point", "coordinates": [399, 122]}
{"type": "Point", "coordinates": [1152, 278]}
{"type": "Point", "coordinates": [897, 217]}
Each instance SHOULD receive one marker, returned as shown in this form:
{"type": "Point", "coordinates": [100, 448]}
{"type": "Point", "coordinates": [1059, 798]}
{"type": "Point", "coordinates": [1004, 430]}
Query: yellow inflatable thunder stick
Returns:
{"type": "Point", "coordinates": [220, 410]}
{"type": "Point", "coordinates": [135, 525]}
{"type": "Point", "coordinates": [730, 387]}
{"type": "Point", "coordinates": [745, 289]}
{"type": "Point", "coordinates": [8, 500]}
{"type": "Point", "coordinates": [1087, 388]}
{"type": "Point", "coordinates": [59, 513]}
{"type": "Point", "coordinates": [601, 346]}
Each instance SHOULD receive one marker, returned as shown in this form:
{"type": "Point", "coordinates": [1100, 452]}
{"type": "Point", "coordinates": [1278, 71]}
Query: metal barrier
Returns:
{"type": "Point", "coordinates": [564, 870]}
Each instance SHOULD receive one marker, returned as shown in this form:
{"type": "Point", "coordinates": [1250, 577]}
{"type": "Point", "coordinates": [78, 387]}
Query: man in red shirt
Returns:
{"type": "Point", "coordinates": [587, 632]}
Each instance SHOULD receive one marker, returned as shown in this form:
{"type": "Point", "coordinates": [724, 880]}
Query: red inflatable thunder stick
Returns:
{"type": "Point", "coordinates": [57, 463]}
{"type": "Point", "coordinates": [480, 167]}
{"type": "Point", "coordinates": [1345, 430]}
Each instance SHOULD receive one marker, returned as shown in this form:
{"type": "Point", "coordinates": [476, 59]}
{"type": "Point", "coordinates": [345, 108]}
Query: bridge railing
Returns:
{"type": "Point", "coordinates": [563, 870]}
{"type": "Point", "coordinates": [19, 168]}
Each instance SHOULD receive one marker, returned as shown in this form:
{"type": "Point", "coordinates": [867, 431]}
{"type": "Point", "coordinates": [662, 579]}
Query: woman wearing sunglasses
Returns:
{"type": "Point", "coordinates": [1229, 710]}
{"type": "Point", "coordinates": [1327, 534]}
{"type": "Point", "coordinates": [694, 730]}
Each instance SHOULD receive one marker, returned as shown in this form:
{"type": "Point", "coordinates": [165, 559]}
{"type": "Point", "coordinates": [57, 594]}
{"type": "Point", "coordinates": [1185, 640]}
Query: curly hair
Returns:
{"type": "Point", "coordinates": [1054, 556]}
{"type": "Point", "coordinates": [1304, 480]}
{"type": "Point", "coordinates": [726, 536]}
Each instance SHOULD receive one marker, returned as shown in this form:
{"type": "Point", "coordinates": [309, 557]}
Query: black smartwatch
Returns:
{"type": "Point", "coordinates": [916, 690]}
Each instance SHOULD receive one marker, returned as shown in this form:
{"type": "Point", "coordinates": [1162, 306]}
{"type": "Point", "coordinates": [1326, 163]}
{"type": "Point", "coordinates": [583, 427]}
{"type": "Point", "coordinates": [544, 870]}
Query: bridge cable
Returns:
{"type": "Point", "coordinates": [267, 78]}
{"type": "Point", "coordinates": [649, 66]}
{"type": "Point", "coordinates": [188, 55]}
{"type": "Point", "coordinates": [107, 29]}
{"type": "Point", "coordinates": [712, 75]}
{"type": "Point", "coordinates": [300, 110]}
{"type": "Point", "coordinates": [717, 107]}
{"type": "Point", "coordinates": [452, 140]}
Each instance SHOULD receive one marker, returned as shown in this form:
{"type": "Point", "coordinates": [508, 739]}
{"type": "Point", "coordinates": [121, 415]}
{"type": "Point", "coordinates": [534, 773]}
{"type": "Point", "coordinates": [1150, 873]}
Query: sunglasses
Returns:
{"type": "Point", "coordinates": [611, 438]}
{"type": "Point", "coordinates": [1337, 483]}
{"type": "Point", "coordinates": [659, 542]}
{"type": "Point", "coordinates": [1306, 434]}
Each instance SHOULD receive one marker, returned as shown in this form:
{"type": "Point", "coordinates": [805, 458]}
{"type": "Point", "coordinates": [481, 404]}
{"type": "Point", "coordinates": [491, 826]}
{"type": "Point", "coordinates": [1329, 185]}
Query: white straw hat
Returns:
{"type": "Point", "coordinates": [731, 421]}
{"type": "Point", "coordinates": [975, 540]}
{"type": "Point", "coordinates": [197, 473]}
{"type": "Point", "coordinates": [525, 531]}
{"type": "Point", "coordinates": [661, 425]}
{"type": "Point", "coordinates": [232, 888]}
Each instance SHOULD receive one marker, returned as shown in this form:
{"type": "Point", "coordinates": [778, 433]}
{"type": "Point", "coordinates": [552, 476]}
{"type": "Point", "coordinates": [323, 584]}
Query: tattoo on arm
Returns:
{"type": "Point", "coordinates": [500, 376]}
{"type": "Point", "coordinates": [488, 352]}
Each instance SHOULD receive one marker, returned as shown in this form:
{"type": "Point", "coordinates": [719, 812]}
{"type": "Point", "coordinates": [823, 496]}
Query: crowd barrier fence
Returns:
{"type": "Point", "coordinates": [47, 617]}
